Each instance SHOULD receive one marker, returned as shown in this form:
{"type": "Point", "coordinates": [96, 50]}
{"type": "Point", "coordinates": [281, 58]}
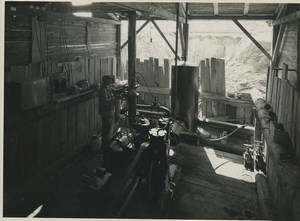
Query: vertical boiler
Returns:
{"type": "Point", "coordinates": [184, 93]}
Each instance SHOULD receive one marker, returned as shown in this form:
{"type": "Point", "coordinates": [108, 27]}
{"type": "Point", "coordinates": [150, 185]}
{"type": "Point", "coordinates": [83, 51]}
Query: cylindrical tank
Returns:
{"type": "Point", "coordinates": [184, 95]}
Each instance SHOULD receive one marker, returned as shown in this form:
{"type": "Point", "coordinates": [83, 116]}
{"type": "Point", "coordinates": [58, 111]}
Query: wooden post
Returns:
{"type": "Point", "coordinates": [131, 65]}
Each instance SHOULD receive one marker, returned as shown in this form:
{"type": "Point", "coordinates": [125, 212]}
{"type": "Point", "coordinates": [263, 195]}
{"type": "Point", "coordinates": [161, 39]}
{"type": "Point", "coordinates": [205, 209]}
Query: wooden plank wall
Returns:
{"type": "Point", "coordinates": [89, 50]}
{"type": "Point", "coordinates": [212, 81]}
{"type": "Point", "coordinates": [155, 74]}
{"type": "Point", "coordinates": [283, 97]}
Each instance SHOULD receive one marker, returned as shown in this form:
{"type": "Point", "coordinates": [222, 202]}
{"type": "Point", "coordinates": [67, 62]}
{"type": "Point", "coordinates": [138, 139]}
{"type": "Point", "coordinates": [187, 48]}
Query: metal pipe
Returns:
{"type": "Point", "coordinates": [123, 187]}
{"type": "Point", "coordinates": [249, 130]}
{"type": "Point", "coordinates": [174, 90]}
{"type": "Point", "coordinates": [128, 198]}
{"type": "Point", "coordinates": [131, 66]}
{"type": "Point", "coordinates": [162, 108]}
{"type": "Point", "coordinates": [186, 33]}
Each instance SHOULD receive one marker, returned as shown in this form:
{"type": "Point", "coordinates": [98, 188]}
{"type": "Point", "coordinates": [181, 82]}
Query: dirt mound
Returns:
{"type": "Point", "coordinates": [247, 67]}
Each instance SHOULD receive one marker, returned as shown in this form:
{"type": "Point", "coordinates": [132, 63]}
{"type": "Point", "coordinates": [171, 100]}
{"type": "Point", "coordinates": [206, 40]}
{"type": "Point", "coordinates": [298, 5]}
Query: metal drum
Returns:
{"type": "Point", "coordinates": [184, 95]}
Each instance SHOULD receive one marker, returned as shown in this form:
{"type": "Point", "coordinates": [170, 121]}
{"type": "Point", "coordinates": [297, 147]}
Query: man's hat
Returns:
{"type": "Point", "coordinates": [107, 77]}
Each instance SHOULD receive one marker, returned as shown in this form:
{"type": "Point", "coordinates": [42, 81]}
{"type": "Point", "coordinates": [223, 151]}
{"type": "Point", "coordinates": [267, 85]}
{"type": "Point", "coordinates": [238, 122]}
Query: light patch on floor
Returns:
{"type": "Point", "coordinates": [228, 167]}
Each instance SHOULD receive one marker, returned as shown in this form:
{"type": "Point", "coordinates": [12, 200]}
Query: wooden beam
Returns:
{"type": "Point", "coordinates": [246, 8]}
{"type": "Point", "coordinates": [234, 16]}
{"type": "Point", "coordinates": [215, 97]}
{"type": "Point", "coordinates": [141, 28]}
{"type": "Point", "coordinates": [278, 44]}
{"type": "Point", "coordinates": [149, 8]}
{"type": "Point", "coordinates": [216, 8]}
{"type": "Point", "coordinates": [291, 17]}
{"type": "Point", "coordinates": [252, 39]}
{"type": "Point", "coordinates": [163, 36]}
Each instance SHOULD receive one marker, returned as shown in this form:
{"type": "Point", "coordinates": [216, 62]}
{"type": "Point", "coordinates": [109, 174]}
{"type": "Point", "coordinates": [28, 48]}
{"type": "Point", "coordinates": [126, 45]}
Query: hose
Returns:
{"type": "Point", "coordinates": [226, 136]}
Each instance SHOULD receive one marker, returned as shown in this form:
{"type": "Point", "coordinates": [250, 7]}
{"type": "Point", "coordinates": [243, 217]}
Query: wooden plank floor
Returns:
{"type": "Point", "coordinates": [213, 185]}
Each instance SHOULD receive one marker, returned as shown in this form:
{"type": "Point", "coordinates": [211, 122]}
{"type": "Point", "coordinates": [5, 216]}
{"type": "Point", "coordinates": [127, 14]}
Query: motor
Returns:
{"type": "Point", "coordinates": [119, 150]}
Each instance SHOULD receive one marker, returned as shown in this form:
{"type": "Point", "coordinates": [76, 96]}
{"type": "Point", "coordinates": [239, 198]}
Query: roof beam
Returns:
{"type": "Point", "coordinates": [216, 8]}
{"type": "Point", "coordinates": [149, 8]}
{"type": "Point", "coordinates": [252, 39]}
{"type": "Point", "coordinates": [234, 16]}
{"type": "Point", "coordinates": [246, 8]}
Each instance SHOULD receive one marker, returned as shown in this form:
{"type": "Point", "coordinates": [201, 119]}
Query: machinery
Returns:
{"type": "Point", "coordinates": [141, 155]}
{"type": "Point", "coordinates": [137, 156]}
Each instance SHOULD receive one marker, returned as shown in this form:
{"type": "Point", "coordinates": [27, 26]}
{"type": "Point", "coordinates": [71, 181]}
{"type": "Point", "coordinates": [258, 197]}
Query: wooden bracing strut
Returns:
{"type": "Point", "coordinates": [164, 37]}
{"type": "Point", "coordinates": [141, 28]}
{"type": "Point", "coordinates": [252, 39]}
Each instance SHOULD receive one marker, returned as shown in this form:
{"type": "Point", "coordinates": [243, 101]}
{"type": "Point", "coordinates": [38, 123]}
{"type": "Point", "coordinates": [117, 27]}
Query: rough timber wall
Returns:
{"type": "Point", "coordinates": [283, 94]}
{"type": "Point", "coordinates": [39, 44]}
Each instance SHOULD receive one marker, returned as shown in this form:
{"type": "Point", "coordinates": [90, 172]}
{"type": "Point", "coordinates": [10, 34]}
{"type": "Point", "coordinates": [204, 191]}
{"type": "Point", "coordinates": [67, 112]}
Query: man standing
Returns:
{"type": "Point", "coordinates": [107, 107]}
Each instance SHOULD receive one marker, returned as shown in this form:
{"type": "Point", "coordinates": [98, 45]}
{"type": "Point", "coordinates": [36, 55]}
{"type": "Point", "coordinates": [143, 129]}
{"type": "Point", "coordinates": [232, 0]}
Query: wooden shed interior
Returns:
{"type": "Point", "coordinates": [54, 62]}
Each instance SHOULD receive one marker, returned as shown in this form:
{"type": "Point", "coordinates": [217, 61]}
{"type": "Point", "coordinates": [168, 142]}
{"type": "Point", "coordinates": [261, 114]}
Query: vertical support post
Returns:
{"type": "Point", "coordinates": [131, 67]}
